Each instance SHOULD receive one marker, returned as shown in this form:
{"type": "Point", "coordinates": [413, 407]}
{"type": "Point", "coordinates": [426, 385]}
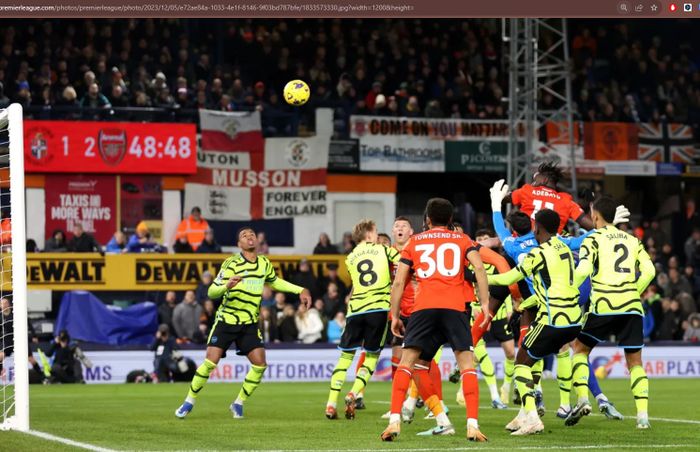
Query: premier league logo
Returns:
{"type": "Point", "coordinates": [112, 145]}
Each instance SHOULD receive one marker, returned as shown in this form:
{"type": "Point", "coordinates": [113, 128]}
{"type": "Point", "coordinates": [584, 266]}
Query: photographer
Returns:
{"type": "Point", "coordinates": [169, 364]}
{"type": "Point", "coordinates": [68, 360]}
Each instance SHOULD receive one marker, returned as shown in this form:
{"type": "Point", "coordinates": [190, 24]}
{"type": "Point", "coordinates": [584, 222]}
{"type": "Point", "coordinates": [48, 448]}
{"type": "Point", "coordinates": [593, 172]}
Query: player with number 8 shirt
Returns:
{"type": "Point", "coordinates": [368, 308]}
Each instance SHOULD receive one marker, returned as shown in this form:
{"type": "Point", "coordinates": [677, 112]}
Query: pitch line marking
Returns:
{"type": "Point", "coordinates": [67, 441]}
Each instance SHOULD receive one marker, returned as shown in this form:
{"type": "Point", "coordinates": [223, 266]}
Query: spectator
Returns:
{"type": "Point", "coordinates": [203, 287]}
{"type": "Point", "coordinates": [263, 247]}
{"type": "Point", "coordinates": [166, 310]}
{"type": "Point", "coordinates": [336, 327]}
{"type": "Point", "coordinates": [209, 244]}
{"type": "Point", "coordinates": [268, 297]}
{"type": "Point", "coordinates": [193, 228]}
{"type": "Point", "coordinates": [670, 328]}
{"type": "Point", "coordinates": [140, 242]}
{"type": "Point", "coordinates": [347, 244]}
{"type": "Point", "coordinates": [333, 277]}
{"type": "Point", "coordinates": [5, 228]}
{"type": "Point", "coordinates": [677, 284]}
{"type": "Point", "coordinates": [693, 277]}
{"type": "Point", "coordinates": [656, 233]}
{"type": "Point", "coordinates": [32, 247]}
{"type": "Point", "coordinates": [186, 317]}
{"type": "Point", "coordinates": [304, 278]}
{"type": "Point", "coordinates": [207, 319]}
{"type": "Point", "coordinates": [692, 330]}
{"type": "Point", "coordinates": [324, 245]}
{"type": "Point", "coordinates": [57, 242]}
{"type": "Point", "coordinates": [117, 243]}
{"type": "Point", "coordinates": [278, 307]}
{"type": "Point", "coordinates": [286, 327]}
{"type": "Point", "coordinates": [692, 249]}
{"type": "Point", "coordinates": [309, 324]}
{"type": "Point", "coordinates": [182, 245]}
{"type": "Point", "coordinates": [332, 301]}
{"type": "Point", "coordinates": [4, 100]}
{"type": "Point", "coordinates": [24, 95]}
{"type": "Point", "coordinates": [118, 98]}
{"type": "Point", "coordinates": [268, 325]}
{"type": "Point", "coordinates": [94, 98]}
{"type": "Point", "coordinates": [82, 242]}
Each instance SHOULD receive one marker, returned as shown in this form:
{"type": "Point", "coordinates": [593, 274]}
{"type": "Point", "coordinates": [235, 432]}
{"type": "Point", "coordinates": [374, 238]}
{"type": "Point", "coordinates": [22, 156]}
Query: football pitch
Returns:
{"type": "Point", "coordinates": [289, 416]}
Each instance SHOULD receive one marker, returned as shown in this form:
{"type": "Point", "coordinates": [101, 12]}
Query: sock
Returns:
{"type": "Point", "coordinates": [508, 369]}
{"type": "Point", "coordinates": [477, 330]}
{"type": "Point", "coordinates": [470, 389]}
{"type": "Point", "coordinates": [593, 382]}
{"type": "Point", "coordinates": [251, 382]}
{"type": "Point", "coordinates": [564, 374]}
{"type": "Point", "coordinates": [523, 332]}
{"type": "Point", "coordinates": [400, 385]}
{"type": "Point", "coordinates": [640, 389]}
{"type": "Point", "coordinates": [35, 366]}
{"type": "Point", "coordinates": [412, 399]}
{"type": "Point", "coordinates": [524, 383]}
{"type": "Point", "coordinates": [338, 377]}
{"type": "Point", "coordinates": [486, 368]}
{"type": "Point", "coordinates": [600, 398]}
{"type": "Point", "coordinates": [580, 375]}
{"type": "Point", "coordinates": [536, 371]}
{"type": "Point", "coordinates": [201, 375]}
{"type": "Point", "coordinates": [424, 382]}
{"type": "Point", "coordinates": [436, 378]}
{"type": "Point", "coordinates": [360, 362]}
{"type": "Point", "coordinates": [394, 364]}
{"type": "Point", "coordinates": [365, 372]}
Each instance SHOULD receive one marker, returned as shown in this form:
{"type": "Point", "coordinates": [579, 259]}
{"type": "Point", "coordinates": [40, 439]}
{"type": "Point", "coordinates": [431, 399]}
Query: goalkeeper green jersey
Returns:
{"type": "Point", "coordinates": [551, 266]}
{"type": "Point", "coordinates": [369, 265]}
{"type": "Point", "coordinates": [612, 258]}
{"type": "Point", "coordinates": [240, 305]}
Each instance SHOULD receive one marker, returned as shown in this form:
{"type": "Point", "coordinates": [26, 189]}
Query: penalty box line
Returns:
{"type": "Point", "coordinates": [67, 441]}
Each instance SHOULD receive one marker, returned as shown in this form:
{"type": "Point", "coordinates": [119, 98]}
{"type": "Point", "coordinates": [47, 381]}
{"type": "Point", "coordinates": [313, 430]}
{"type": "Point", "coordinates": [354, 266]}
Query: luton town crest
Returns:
{"type": "Point", "coordinates": [112, 145]}
{"type": "Point", "coordinates": [38, 150]}
{"type": "Point", "coordinates": [298, 153]}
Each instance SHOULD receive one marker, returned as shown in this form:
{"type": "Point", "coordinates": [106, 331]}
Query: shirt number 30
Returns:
{"type": "Point", "coordinates": [435, 260]}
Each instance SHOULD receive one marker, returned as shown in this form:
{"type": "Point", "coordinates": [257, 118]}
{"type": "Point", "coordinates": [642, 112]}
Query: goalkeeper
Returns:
{"type": "Point", "coordinates": [239, 284]}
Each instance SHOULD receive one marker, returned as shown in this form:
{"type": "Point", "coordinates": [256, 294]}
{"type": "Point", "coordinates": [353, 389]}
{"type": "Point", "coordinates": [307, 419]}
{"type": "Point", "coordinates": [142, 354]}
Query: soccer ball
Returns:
{"type": "Point", "coordinates": [296, 92]}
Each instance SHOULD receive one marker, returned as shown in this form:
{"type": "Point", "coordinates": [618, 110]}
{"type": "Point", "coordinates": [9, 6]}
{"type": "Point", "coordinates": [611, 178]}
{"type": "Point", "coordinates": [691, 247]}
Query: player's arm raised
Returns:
{"type": "Point", "coordinates": [482, 284]}
{"type": "Point", "coordinates": [400, 278]}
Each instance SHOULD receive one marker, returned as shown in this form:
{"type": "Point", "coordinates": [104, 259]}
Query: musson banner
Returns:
{"type": "Point", "coordinates": [90, 200]}
{"type": "Point", "coordinates": [242, 176]}
{"type": "Point", "coordinates": [303, 364]}
{"type": "Point", "coordinates": [90, 271]}
{"type": "Point", "coordinates": [416, 144]}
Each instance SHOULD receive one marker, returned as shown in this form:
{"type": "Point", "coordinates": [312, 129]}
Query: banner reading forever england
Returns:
{"type": "Point", "coordinates": [242, 176]}
{"type": "Point", "coordinates": [416, 144]}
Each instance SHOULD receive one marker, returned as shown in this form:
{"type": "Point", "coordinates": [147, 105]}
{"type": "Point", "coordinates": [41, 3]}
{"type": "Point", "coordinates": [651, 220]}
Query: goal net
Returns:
{"type": "Point", "coordinates": [14, 382]}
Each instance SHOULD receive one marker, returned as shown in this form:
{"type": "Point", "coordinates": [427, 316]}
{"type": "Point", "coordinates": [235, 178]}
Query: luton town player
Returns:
{"type": "Point", "coordinates": [368, 308]}
{"type": "Point", "coordinates": [440, 315]}
{"type": "Point", "coordinates": [558, 320]}
{"type": "Point", "coordinates": [239, 284]}
{"type": "Point", "coordinates": [611, 257]}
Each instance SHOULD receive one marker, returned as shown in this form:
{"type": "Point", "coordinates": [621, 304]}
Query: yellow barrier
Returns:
{"type": "Point", "coordinates": [90, 271]}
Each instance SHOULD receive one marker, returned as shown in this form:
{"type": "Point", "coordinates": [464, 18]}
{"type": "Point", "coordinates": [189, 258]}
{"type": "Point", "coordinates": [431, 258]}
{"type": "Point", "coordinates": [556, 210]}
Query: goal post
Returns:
{"type": "Point", "coordinates": [15, 402]}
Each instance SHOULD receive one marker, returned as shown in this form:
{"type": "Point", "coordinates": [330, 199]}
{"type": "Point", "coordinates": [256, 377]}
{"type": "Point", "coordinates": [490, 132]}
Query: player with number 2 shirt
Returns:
{"type": "Point", "coordinates": [440, 315]}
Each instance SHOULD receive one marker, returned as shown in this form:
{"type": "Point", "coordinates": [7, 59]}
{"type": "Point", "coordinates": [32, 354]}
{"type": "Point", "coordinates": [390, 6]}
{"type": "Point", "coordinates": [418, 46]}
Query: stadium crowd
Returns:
{"type": "Point", "coordinates": [446, 68]}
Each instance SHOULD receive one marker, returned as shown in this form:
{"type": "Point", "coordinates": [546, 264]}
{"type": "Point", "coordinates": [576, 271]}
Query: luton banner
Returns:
{"type": "Point", "coordinates": [145, 271]}
{"type": "Point", "coordinates": [109, 147]}
{"type": "Point", "coordinates": [242, 176]}
{"type": "Point", "coordinates": [90, 200]}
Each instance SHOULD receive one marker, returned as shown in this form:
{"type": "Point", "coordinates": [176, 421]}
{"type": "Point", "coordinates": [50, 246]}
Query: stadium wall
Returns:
{"type": "Point", "coordinates": [316, 364]}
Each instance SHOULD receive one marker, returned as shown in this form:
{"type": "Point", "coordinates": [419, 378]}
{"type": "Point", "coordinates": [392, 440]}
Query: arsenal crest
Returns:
{"type": "Point", "coordinates": [112, 145]}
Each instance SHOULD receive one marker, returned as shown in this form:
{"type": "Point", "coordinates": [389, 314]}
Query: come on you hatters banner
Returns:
{"type": "Point", "coordinates": [416, 144]}
{"type": "Point", "coordinates": [242, 176]}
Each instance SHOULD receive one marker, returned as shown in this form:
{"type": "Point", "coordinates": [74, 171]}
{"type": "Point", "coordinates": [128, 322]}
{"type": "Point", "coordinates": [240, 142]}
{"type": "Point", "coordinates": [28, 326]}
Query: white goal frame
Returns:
{"type": "Point", "coordinates": [20, 419]}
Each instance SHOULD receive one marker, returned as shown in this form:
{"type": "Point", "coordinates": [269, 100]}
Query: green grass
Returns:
{"type": "Point", "coordinates": [290, 416]}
